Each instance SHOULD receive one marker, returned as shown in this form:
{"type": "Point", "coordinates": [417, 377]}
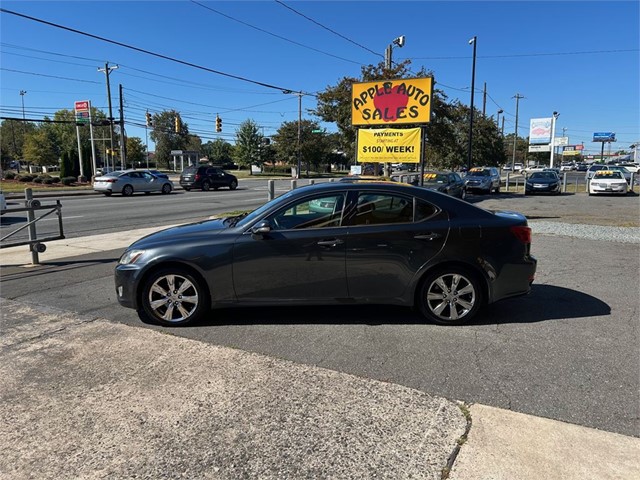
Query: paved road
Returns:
{"type": "Point", "coordinates": [568, 351]}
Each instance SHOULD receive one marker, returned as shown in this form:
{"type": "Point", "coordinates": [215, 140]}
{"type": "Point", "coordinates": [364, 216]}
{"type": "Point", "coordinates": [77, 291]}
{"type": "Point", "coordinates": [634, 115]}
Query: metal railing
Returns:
{"type": "Point", "coordinates": [36, 245]}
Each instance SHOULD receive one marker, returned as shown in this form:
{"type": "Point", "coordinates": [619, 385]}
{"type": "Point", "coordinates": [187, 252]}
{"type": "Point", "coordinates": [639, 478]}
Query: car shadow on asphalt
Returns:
{"type": "Point", "coordinates": [544, 303]}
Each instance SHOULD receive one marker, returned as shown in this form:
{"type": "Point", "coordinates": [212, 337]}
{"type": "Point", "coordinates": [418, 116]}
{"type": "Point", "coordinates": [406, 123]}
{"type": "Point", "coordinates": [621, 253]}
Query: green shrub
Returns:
{"type": "Point", "coordinates": [49, 181]}
{"type": "Point", "coordinates": [10, 175]}
{"type": "Point", "coordinates": [25, 178]}
{"type": "Point", "coordinates": [38, 180]}
{"type": "Point", "coordinates": [55, 179]}
{"type": "Point", "coordinates": [68, 180]}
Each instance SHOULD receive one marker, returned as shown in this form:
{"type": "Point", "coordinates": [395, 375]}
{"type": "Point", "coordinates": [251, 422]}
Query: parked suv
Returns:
{"type": "Point", "coordinates": [483, 179]}
{"type": "Point", "coordinates": [206, 177]}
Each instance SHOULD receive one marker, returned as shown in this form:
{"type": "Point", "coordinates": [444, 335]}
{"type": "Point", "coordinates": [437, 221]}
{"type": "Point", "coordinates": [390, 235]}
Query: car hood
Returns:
{"type": "Point", "coordinates": [182, 232]}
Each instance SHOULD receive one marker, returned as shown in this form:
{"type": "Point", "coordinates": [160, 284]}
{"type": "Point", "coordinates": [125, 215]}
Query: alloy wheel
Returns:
{"type": "Point", "coordinates": [450, 297]}
{"type": "Point", "coordinates": [173, 298]}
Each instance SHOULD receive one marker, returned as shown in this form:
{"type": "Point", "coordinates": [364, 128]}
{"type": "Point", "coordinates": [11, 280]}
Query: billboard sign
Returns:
{"type": "Point", "coordinates": [82, 108]}
{"type": "Point", "coordinates": [604, 137]}
{"type": "Point", "coordinates": [392, 102]}
{"type": "Point", "coordinates": [540, 131]}
{"type": "Point", "coordinates": [389, 145]}
{"type": "Point", "coordinates": [560, 141]}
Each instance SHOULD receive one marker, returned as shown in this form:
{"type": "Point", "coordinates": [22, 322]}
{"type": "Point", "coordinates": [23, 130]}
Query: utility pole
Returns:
{"type": "Point", "coordinates": [123, 139]}
{"type": "Point", "coordinates": [107, 70]}
{"type": "Point", "coordinates": [474, 42]}
{"type": "Point", "coordinates": [484, 99]}
{"type": "Point", "coordinates": [22, 94]}
{"type": "Point", "coordinates": [515, 138]}
{"type": "Point", "coordinates": [299, 151]}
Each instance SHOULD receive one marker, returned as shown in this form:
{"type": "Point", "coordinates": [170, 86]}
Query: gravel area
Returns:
{"type": "Point", "coordinates": [592, 232]}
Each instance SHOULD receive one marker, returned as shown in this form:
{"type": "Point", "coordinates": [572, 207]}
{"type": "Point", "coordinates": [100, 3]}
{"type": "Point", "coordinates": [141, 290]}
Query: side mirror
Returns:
{"type": "Point", "coordinates": [261, 228]}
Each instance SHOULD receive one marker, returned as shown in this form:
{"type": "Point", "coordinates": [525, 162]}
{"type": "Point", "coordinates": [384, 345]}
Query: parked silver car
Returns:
{"type": "Point", "coordinates": [131, 181]}
{"type": "Point", "coordinates": [482, 179]}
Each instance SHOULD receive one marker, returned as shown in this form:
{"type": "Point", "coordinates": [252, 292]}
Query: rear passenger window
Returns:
{"type": "Point", "coordinates": [424, 210]}
{"type": "Point", "coordinates": [380, 209]}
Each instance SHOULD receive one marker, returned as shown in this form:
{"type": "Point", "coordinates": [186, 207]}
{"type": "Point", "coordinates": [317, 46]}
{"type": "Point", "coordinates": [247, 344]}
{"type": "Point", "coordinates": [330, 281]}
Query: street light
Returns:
{"type": "Point", "coordinates": [22, 93]}
{"type": "Point", "coordinates": [498, 118]}
{"type": "Point", "coordinates": [399, 41]}
{"type": "Point", "coordinates": [473, 41]}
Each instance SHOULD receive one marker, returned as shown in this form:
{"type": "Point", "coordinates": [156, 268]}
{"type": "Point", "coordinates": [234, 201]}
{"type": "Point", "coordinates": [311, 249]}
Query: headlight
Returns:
{"type": "Point", "coordinates": [130, 256]}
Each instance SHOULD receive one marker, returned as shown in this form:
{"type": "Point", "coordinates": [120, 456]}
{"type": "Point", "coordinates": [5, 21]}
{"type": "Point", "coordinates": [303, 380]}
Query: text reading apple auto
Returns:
{"type": "Point", "coordinates": [390, 103]}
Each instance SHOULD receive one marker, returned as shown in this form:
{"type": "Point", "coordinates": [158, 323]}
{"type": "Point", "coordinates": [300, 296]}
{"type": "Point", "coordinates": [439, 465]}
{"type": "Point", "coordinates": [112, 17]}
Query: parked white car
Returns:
{"type": "Point", "coordinates": [131, 181]}
{"type": "Point", "coordinates": [608, 181]}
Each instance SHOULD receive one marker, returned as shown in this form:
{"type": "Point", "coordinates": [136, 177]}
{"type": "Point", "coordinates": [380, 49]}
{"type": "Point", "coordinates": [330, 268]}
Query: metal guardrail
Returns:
{"type": "Point", "coordinates": [36, 245]}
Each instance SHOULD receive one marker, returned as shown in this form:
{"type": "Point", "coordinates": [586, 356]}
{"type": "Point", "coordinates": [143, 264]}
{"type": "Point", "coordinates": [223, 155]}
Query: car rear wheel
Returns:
{"type": "Point", "coordinates": [450, 296]}
{"type": "Point", "coordinates": [206, 186]}
{"type": "Point", "coordinates": [233, 185]}
{"type": "Point", "coordinates": [107, 193]}
{"type": "Point", "coordinates": [173, 297]}
{"type": "Point", "coordinates": [127, 190]}
{"type": "Point", "coordinates": [166, 189]}
{"type": "Point", "coordinates": [187, 189]}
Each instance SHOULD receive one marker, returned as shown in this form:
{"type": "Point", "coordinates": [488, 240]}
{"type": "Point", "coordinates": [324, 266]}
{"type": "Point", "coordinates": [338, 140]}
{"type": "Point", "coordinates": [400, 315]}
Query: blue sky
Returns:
{"type": "Point", "coordinates": [579, 58]}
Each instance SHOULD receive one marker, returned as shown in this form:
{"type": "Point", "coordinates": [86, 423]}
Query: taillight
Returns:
{"type": "Point", "coordinates": [522, 233]}
{"type": "Point", "coordinates": [198, 177]}
{"type": "Point", "coordinates": [111, 180]}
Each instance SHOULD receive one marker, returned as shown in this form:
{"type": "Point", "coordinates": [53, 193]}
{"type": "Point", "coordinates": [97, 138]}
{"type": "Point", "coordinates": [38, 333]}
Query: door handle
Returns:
{"type": "Point", "coordinates": [330, 243]}
{"type": "Point", "coordinates": [427, 236]}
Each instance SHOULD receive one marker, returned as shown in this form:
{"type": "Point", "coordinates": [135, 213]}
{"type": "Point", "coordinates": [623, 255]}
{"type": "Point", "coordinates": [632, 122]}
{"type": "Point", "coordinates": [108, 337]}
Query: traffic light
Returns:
{"type": "Point", "coordinates": [218, 124]}
{"type": "Point", "coordinates": [149, 120]}
{"type": "Point", "coordinates": [177, 124]}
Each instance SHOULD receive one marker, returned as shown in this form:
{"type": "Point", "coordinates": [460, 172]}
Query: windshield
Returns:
{"type": "Point", "coordinates": [542, 175]}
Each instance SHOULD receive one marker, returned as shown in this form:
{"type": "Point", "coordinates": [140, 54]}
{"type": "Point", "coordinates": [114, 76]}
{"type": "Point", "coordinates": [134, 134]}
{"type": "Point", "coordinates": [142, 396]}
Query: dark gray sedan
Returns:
{"type": "Point", "coordinates": [380, 243]}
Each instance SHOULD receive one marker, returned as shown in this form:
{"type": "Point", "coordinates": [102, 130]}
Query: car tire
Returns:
{"type": "Point", "coordinates": [166, 189]}
{"type": "Point", "coordinates": [127, 190]}
{"type": "Point", "coordinates": [463, 194]}
{"type": "Point", "coordinates": [206, 186]}
{"type": "Point", "coordinates": [187, 189]}
{"type": "Point", "coordinates": [450, 296]}
{"type": "Point", "coordinates": [108, 194]}
{"type": "Point", "coordinates": [498, 189]}
{"type": "Point", "coordinates": [233, 185]}
{"type": "Point", "coordinates": [173, 297]}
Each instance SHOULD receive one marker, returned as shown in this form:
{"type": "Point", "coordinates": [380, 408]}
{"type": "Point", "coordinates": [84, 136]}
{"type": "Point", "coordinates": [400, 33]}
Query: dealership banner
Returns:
{"type": "Point", "coordinates": [540, 131]}
{"type": "Point", "coordinates": [389, 145]}
{"type": "Point", "coordinates": [392, 102]}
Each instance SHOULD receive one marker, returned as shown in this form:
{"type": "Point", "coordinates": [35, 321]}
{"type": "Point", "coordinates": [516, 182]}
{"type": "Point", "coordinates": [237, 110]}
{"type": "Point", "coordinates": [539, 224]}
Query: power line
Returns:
{"type": "Point", "coordinates": [527, 55]}
{"type": "Point", "coordinates": [49, 76]}
{"type": "Point", "coordinates": [148, 52]}
{"type": "Point", "coordinates": [274, 34]}
{"type": "Point", "coordinates": [328, 29]}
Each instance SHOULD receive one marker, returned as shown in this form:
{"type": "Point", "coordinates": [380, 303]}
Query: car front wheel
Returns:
{"type": "Point", "coordinates": [233, 185]}
{"type": "Point", "coordinates": [166, 189]}
{"type": "Point", "coordinates": [450, 296]}
{"type": "Point", "coordinates": [206, 186]}
{"type": "Point", "coordinates": [173, 297]}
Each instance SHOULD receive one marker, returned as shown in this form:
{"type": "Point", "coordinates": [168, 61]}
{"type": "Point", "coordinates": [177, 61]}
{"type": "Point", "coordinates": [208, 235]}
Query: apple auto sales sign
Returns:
{"type": "Point", "coordinates": [392, 102]}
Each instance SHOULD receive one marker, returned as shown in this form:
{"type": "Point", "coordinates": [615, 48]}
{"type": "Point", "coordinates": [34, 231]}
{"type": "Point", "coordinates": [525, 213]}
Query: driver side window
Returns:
{"type": "Point", "coordinates": [317, 212]}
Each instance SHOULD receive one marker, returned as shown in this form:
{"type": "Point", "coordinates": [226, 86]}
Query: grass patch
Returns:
{"type": "Point", "coordinates": [14, 186]}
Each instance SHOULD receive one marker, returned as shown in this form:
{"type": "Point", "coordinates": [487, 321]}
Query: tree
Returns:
{"type": "Point", "coordinates": [218, 151]}
{"type": "Point", "coordinates": [165, 136]}
{"type": "Point", "coordinates": [248, 139]}
{"type": "Point", "coordinates": [40, 146]}
{"type": "Point", "coordinates": [12, 137]}
{"type": "Point", "coordinates": [314, 147]}
{"type": "Point", "coordinates": [136, 151]}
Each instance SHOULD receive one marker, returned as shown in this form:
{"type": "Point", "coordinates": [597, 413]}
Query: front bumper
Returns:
{"type": "Point", "coordinates": [127, 278]}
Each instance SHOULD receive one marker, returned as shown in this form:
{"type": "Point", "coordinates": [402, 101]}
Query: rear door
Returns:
{"type": "Point", "coordinates": [391, 237]}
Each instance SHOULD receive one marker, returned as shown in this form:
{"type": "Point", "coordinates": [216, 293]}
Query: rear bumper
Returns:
{"type": "Point", "coordinates": [514, 279]}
